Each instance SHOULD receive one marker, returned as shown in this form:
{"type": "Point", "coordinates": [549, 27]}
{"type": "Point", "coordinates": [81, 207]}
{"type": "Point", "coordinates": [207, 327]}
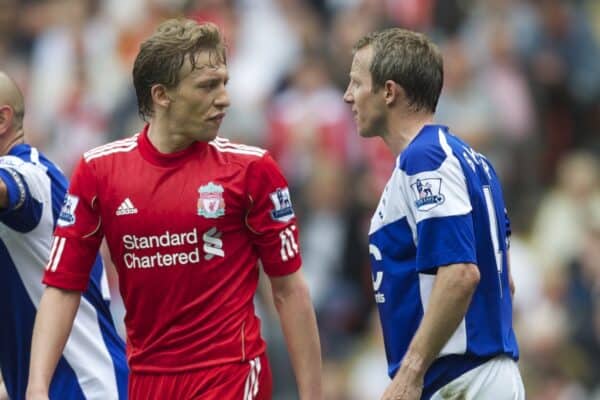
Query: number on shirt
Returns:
{"type": "Point", "coordinates": [289, 247]}
{"type": "Point", "coordinates": [493, 219]}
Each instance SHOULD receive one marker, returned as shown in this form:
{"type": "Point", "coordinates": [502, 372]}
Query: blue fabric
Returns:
{"type": "Point", "coordinates": [17, 308]}
{"type": "Point", "coordinates": [433, 213]}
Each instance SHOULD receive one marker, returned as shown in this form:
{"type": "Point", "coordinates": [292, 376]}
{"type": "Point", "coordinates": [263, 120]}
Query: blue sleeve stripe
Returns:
{"type": "Point", "coordinates": [25, 213]}
{"type": "Point", "coordinates": [16, 188]}
{"type": "Point", "coordinates": [450, 240]}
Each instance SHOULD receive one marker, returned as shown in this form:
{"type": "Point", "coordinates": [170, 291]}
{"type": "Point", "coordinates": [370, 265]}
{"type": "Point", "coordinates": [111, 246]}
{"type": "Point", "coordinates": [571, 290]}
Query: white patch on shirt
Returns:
{"type": "Point", "coordinates": [282, 205]}
{"type": "Point", "coordinates": [67, 213]}
{"type": "Point", "coordinates": [428, 193]}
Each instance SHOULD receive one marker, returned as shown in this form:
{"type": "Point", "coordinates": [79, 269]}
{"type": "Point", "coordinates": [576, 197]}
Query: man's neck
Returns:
{"type": "Point", "coordinates": [12, 141]}
{"type": "Point", "coordinates": [403, 128]}
{"type": "Point", "coordinates": [164, 140]}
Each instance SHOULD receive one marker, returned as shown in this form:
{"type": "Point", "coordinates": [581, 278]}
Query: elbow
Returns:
{"type": "Point", "coordinates": [298, 291]}
{"type": "Point", "coordinates": [470, 277]}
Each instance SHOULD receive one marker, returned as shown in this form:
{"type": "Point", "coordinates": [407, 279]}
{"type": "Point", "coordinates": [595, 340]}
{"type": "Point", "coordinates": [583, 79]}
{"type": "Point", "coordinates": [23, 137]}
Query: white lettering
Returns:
{"type": "Point", "coordinates": [129, 242]}
{"type": "Point", "coordinates": [166, 239]}
{"type": "Point", "coordinates": [375, 252]}
{"type": "Point", "coordinates": [167, 260]}
{"type": "Point", "coordinates": [183, 258]}
{"type": "Point", "coordinates": [161, 260]}
{"type": "Point", "coordinates": [192, 237]}
{"type": "Point", "coordinates": [212, 246]}
{"type": "Point", "coordinates": [377, 281]}
{"type": "Point", "coordinates": [289, 247]}
{"type": "Point", "coordinates": [194, 256]}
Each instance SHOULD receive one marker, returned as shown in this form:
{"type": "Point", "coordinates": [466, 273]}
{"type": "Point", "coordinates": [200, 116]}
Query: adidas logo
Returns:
{"type": "Point", "coordinates": [126, 207]}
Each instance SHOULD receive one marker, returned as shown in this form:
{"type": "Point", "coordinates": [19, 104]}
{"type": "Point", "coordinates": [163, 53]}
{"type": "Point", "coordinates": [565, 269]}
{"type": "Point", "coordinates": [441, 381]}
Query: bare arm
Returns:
{"type": "Point", "coordinates": [299, 326]}
{"type": "Point", "coordinates": [53, 324]}
{"type": "Point", "coordinates": [450, 298]}
{"type": "Point", "coordinates": [3, 394]}
{"type": "Point", "coordinates": [511, 282]}
{"type": "Point", "coordinates": [3, 195]}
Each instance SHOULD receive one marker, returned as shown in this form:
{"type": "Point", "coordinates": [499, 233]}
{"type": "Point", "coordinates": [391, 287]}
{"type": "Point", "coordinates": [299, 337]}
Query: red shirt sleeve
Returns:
{"type": "Point", "coordinates": [78, 233]}
{"type": "Point", "coordinates": [271, 218]}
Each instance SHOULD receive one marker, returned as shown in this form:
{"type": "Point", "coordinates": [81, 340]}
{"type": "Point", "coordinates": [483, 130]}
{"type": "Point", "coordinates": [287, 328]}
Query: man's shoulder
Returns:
{"type": "Point", "coordinates": [29, 161]}
{"type": "Point", "coordinates": [426, 152]}
{"type": "Point", "coordinates": [236, 152]}
{"type": "Point", "coordinates": [108, 150]}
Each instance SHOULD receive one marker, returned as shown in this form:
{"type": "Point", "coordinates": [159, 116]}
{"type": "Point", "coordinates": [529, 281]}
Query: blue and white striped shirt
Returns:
{"type": "Point", "coordinates": [93, 364]}
{"type": "Point", "coordinates": [442, 205]}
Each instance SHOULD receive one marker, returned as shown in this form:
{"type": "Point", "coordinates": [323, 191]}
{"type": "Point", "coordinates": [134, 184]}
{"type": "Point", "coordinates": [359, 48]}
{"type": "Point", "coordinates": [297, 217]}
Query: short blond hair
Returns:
{"type": "Point", "coordinates": [163, 54]}
{"type": "Point", "coordinates": [411, 60]}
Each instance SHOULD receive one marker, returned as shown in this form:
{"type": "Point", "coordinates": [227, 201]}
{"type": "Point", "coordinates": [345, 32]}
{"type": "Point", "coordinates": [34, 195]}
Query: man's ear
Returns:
{"type": "Point", "coordinates": [392, 92]}
{"type": "Point", "coordinates": [160, 96]}
{"type": "Point", "coordinates": [6, 118]}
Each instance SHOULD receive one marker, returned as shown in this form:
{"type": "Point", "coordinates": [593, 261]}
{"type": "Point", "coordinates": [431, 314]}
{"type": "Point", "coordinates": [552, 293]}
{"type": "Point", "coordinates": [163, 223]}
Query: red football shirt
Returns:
{"type": "Point", "coordinates": [185, 231]}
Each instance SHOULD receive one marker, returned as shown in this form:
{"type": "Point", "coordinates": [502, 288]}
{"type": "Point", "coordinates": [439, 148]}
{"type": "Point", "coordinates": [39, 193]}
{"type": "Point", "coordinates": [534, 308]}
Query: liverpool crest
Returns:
{"type": "Point", "coordinates": [210, 201]}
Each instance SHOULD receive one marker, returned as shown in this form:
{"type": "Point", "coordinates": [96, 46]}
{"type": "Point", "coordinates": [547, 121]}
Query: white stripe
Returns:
{"type": "Point", "coordinates": [35, 156]}
{"type": "Point", "coordinates": [252, 380]}
{"type": "Point", "coordinates": [227, 143]}
{"type": "Point", "coordinates": [239, 146]}
{"type": "Point", "coordinates": [236, 151]}
{"type": "Point", "coordinates": [104, 288]}
{"type": "Point", "coordinates": [35, 159]}
{"type": "Point", "coordinates": [457, 343]}
{"type": "Point", "coordinates": [118, 143]}
{"type": "Point", "coordinates": [52, 250]}
{"type": "Point", "coordinates": [109, 146]}
{"type": "Point", "coordinates": [255, 391]}
{"type": "Point", "coordinates": [129, 203]}
{"type": "Point", "coordinates": [87, 354]}
{"type": "Point", "coordinates": [59, 251]}
{"type": "Point", "coordinates": [292, 239]}
{"type": "Point", "coordinates": [248, 384]}
{"type": "Point", "coordinates": [117, 150]}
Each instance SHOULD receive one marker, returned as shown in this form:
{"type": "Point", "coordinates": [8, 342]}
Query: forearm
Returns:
{"type": "Point", "coordinates": [3, 195]}
{"type": "Point", "coordinates": [299, 327]}
{"type": "Point", "coordinates": [448, 303]}
{"type": "Point", "coordinates": [3, 394]}
{"type": "Point", "coordinates": [53, 324]}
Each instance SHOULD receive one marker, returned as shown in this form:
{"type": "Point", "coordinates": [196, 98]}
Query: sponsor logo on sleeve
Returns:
{"type": "Point", "coordinates": [282, 205]}
{"type": "Point", "coordinates": [67, 213]}
{"type": "Point", "coordinates": [428, 193]}
{"type": "Point", "coordinates": [211, 203]}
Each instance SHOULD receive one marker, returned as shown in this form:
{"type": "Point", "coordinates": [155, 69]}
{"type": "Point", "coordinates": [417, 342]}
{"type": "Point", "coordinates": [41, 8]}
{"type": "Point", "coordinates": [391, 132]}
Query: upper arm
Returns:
{"type": "Point", "coordinates": [459, 275]}
{"type": "Point", "coordinates": [271, 219]}
{"type": "Point", "coordinates": [439, 203]}
{"type": "Point", "coordinates": [286, 285]}
{"type": "Point", "coordinates": [78, 234]}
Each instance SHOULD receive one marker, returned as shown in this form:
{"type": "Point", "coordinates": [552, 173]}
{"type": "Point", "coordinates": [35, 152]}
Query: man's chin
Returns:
{"type": "Point", "coordinates": [206, 135]}
{"type": "Point", "coordinates": [366, 133]}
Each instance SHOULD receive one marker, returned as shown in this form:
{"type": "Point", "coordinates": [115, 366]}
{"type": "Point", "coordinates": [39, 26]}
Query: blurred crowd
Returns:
{"type": "Point", "coordinates": [522, 85]}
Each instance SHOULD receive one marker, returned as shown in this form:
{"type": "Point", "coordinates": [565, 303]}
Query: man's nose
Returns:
{"type": "Point", "coordinates": [348, 97]}
{"type": "Point", "coordinates": [222, 99]}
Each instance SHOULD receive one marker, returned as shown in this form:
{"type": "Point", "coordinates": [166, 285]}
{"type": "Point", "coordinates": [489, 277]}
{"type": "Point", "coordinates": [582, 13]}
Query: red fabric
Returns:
{"type": "Point", "coordinates": [187, 280]}
{"type": "Point", "coordinates": [237, 381]}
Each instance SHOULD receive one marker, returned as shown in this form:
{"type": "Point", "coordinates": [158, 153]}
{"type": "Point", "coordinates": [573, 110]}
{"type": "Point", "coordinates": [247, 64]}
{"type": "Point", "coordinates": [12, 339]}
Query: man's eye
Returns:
{"type": "Point", "coordinates": [209, 85]}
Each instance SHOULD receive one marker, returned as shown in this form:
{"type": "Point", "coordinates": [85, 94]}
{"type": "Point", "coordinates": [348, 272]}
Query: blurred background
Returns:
{"type": "Point", "coordinates": [522, 85]}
